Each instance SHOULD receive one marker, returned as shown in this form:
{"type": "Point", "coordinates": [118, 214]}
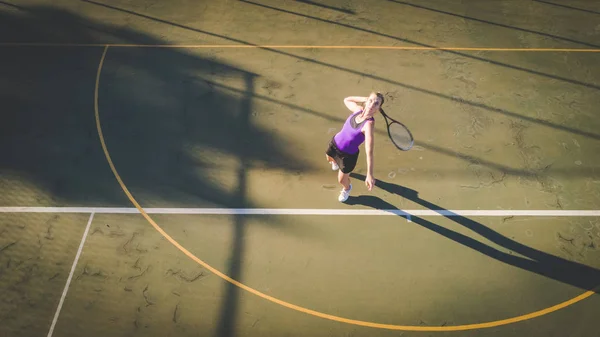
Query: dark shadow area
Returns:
{"type": "Point", "coordinates": [343, 10]}
{"type": "Point", "coordinates": [556, 37]}
{"type": "Point", "coordinates": [567, 6]}
{"type": "Point", "coordinates": [51, 25]}
{"type": "Point", "coordinates": [157, 113]}
{"type": "Point", "coordinates": [229, 309]}
{"type": "Point", "coordinates": [386, 80]}
{"type": "Point", "coordinates": [535, 261]}
{"type": "Point", "coordinates": [174, 138]}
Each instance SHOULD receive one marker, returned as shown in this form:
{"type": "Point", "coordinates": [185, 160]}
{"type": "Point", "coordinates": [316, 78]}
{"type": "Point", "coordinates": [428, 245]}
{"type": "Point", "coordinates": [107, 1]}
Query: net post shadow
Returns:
{"type": "Point", "coordinates": [229, 306]}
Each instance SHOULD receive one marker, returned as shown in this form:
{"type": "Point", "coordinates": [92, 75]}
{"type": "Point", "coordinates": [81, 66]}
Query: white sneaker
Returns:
{"type": "Point", "coordinates": [334, 166]}
{"type": "Point", "coordinates": [344, 194]}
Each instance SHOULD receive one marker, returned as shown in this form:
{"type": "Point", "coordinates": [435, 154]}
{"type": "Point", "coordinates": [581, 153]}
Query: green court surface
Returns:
{"type": "Point", "coordinates": [213, 118]}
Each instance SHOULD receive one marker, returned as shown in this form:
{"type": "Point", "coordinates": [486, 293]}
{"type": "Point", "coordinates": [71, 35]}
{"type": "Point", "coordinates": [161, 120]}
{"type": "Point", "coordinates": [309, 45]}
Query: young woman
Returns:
{"type": "Point", "coordinates": [343, 149]}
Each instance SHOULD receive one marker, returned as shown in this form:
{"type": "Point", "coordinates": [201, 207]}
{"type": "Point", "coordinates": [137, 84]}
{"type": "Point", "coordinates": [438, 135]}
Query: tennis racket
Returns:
{"type": "Point", "coordinates": [399, 133]}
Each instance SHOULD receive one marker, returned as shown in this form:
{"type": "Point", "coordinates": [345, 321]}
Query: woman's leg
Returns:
{"type": "Point", "coordinates": [344, 179]}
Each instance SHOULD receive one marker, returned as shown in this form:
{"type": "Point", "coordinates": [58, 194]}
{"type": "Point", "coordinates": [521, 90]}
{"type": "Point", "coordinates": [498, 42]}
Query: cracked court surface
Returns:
{"type": "Point", "coordinates": [206, 125]}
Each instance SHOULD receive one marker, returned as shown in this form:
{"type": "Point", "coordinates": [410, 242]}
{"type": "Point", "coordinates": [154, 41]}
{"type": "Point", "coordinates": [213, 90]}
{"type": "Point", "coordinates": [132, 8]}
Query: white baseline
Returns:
{"type": "Point", "coordinates": [304, 211]}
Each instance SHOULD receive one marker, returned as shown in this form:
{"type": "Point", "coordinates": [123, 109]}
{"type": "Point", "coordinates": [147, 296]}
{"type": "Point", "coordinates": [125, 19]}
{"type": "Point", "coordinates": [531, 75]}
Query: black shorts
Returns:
{"type": "Point", "coordinates": [346, 161]}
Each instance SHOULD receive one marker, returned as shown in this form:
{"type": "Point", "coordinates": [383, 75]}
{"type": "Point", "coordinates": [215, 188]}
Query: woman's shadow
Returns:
{"type": "Point", "coordinates": [536, 261]}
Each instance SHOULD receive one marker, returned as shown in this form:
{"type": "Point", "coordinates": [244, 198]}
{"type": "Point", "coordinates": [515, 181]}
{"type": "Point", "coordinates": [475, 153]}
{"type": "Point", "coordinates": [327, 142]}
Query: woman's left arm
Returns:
{"type": "Point", "coordinates": [369, 144]}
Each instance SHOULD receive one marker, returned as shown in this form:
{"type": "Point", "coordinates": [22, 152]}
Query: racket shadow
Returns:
{"type": "Point", "coordinates": [535, 261]}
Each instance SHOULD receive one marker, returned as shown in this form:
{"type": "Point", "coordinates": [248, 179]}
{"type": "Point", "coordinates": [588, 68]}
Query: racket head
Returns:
{"type": "Point", "coordinates": [400, 136]}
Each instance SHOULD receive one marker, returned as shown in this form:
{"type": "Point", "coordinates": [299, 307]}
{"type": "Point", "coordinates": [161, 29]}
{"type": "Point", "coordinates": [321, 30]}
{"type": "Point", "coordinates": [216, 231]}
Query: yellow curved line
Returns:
{"type": "Point", "coordinates": [290, 305]}
{"type": "Point", "coordinates": [208, 46]}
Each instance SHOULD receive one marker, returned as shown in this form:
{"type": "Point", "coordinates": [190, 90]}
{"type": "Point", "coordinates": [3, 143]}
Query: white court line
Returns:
{"type": "Point", "coordinates": [302, 211]}
{"type": "Point", "coordinates": [64, 293]}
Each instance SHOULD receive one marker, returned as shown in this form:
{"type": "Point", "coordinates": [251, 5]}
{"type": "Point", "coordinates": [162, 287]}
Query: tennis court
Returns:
{"type": "Point", "coordinates": [163, 170]}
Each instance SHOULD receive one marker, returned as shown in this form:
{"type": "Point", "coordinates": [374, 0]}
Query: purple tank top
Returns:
{"type": "Point", "coordinates": [350, 137]}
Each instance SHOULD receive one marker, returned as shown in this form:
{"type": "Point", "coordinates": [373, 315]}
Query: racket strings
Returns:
{"type": "Point", "coordinates": [400, 136]}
